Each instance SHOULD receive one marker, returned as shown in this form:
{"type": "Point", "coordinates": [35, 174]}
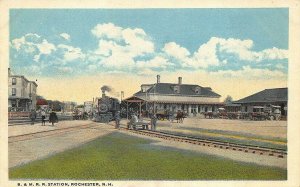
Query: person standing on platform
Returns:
{"type": "Point", "coordinates": [53, 118]}
{"type": "Point", "coordinates": [32, 116]}
{"type": "Point", "coordinates": [153, 122]}
{"type": "Point", "coordinates": [43, 114]}
{"type": "Point", "coordinates": [117, 120]}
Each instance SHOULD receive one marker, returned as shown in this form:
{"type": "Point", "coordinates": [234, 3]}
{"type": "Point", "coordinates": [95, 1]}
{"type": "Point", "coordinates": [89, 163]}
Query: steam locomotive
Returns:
{"type": "Point", "coordinates": [107, 108]}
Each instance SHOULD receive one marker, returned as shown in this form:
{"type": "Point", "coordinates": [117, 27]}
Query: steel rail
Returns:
{"type": "Point", "coordinates": [280, 153]}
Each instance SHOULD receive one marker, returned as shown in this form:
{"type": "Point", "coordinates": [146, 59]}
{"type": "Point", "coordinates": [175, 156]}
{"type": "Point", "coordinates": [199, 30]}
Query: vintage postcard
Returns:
{"type": "Point", "coordinates": [126, 93]}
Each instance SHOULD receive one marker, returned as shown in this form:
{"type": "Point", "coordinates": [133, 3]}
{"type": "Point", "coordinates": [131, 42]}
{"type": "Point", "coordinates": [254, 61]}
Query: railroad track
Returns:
{"type": "Point", "coordinates": [259, 150]}
{"type": "Point", "coordinates": [41, 134]}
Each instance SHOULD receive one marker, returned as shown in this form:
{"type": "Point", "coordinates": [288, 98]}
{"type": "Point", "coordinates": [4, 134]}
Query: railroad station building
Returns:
{"type": "Point", "coordinates": [264, 98]}
{"type": "Point", "coordinates": [190, 98]}
{"type": "Point", "coordinates": [21, 93]}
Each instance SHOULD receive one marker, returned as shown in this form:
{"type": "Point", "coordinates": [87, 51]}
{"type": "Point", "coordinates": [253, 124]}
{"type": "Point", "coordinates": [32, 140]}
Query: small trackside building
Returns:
{"type": "Point", "coordinates": [264, 98]}
{"type": "Point", "coordinates": [178, 96]}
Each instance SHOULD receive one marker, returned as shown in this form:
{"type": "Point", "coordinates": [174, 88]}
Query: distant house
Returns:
{"type": "Point", "coordinates": [176, 96]}
{"type": "Point", "coordinates": [42, 103]}
{"type": "Point", "coordinates": [88, 106]}
{"type": "Point", "coordinates": [69, 106]}
{"type": "Point", "coordinates": [274, 96]}
{"type": "Point", "coordinates": [21, 93]}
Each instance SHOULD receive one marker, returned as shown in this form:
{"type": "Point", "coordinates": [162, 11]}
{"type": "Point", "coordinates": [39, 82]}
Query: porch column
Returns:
{"type": "Point", "coordinates": [127, 108]}
{"type": "Point", "coordinates": [189, 109]}
{"type": "Point", "coordinates": [140, 103]}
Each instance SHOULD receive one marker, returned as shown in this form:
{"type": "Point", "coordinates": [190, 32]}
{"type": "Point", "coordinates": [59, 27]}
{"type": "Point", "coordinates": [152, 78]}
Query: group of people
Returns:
{"type": "Point", "coordinates": [52, 117]}
{"type": "Point", "coordinates": [139, 119]}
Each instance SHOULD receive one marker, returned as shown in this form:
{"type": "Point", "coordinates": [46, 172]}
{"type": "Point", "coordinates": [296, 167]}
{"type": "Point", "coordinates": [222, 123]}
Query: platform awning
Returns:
{"type": "Point", "coordinates": [134, 99]}
{"type": "Point", "coordinates": [188, 102]}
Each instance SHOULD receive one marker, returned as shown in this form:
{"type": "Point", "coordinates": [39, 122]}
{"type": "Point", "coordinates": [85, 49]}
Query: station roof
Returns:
{"type": "Point", "coordinates": [185, 90]}
{"type": "Point", "coordinates": [266, 96]}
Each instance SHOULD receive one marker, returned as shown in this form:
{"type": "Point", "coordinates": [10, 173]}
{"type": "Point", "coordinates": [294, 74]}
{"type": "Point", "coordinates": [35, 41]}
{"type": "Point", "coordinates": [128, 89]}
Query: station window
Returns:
{"type": "Point", "coordinates": [14, 81]}
{"type": "Point", "coordinates": [13, 91]}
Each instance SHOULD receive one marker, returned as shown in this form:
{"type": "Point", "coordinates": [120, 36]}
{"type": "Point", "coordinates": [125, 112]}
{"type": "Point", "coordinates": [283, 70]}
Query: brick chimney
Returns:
{"type": "Point", "coordinates": [158, 78]}
{"type": "Point", "coordinates": [179, 80]}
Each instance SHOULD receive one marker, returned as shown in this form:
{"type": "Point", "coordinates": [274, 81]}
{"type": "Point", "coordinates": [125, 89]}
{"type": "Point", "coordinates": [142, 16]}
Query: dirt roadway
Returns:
{"type": "Point", "coordinates": [22, 152]}
{"type": "Point", "coordinates": [275, 129]}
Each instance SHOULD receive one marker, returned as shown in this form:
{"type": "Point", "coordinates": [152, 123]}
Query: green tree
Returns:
{"type": "Point", "coordinates": [228, 99]}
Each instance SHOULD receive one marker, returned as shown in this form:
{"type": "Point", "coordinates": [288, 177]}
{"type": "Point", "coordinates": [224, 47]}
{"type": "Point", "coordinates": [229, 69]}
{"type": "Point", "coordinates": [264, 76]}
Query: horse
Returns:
{"type": "Point", "coordinates": [179, 117]}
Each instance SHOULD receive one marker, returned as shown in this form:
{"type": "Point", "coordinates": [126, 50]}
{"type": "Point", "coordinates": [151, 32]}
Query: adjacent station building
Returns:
{"type": "Point", "coordinates": [190, 98]}
{"type": "Point", "coordinates": [264, 98]}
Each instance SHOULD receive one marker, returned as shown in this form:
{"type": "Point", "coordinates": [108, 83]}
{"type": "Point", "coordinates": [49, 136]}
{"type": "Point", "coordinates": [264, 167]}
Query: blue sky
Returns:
{"type": "Point", "coordinates": [68, 43]}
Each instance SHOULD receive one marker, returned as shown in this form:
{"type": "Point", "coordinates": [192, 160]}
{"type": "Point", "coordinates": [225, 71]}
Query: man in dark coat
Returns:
{"type": "Point", "coordinates": [153, 122]}
{"type": "Point", "coordinates": [32, 116]}
{"type": "Point", "coordinates": [117, 120]}
{"type": "Point", "coordinates": [53, 118]}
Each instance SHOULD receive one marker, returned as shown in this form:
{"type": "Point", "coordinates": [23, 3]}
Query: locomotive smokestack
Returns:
{"type": "Point", "coordinates": [158, 78]}
{"type": "Point", "coordinates": [104, 89]}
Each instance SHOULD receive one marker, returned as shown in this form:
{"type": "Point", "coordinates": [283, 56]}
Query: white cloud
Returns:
{"type": "Point", "coordinates": [71, 53]}
{"type": "Point", "coordinates": [18, 42]}
{"type": "Point", "coordinates": [243, 49]}
{"type": "Point", "coordinates": [119, 46]}
{"type": "Point", "coordinates": [156, 62]}
{"type": "Point", "coordinates": [45, 47]}
{"type": "Point", "coordinates": [205, 56]}
{"type": "Point", "coordinates": [106, 47]}
{"type": "Point", "coordinates": [208, 53]}
{"type": "Point", "coordinates": [118, 61]}
{"type": "Point", "coordinates": [138, 43]}
{"type": "Point", "coordinates": [107, 30]}
{"type": "Point", "coordinates": [251, 73]}
{"type": "Point", "coordinates": [115, 39]}
{"type": "Point", "coordinates": [31, 43]}
{"type": "Point", "coordinates": [66, 36]}
{"type": "Point", "coordinates": [175, 50]}
{"type": "Point", "coordinates": [274, 53]}
{"type": "Point", "coordinates": [128, 50]}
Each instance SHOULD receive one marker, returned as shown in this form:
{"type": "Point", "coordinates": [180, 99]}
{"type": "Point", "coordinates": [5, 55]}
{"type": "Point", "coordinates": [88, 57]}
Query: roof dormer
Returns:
{"type": "Point", "coordinates": [176, 89]}
{"type": "Point", "coordinates": [197, 89]}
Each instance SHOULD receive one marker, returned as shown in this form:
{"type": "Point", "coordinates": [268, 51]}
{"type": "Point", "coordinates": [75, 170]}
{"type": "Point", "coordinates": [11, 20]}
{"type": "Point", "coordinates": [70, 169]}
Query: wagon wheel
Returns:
{"type": "Point", "coordinates": [272, 118]}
